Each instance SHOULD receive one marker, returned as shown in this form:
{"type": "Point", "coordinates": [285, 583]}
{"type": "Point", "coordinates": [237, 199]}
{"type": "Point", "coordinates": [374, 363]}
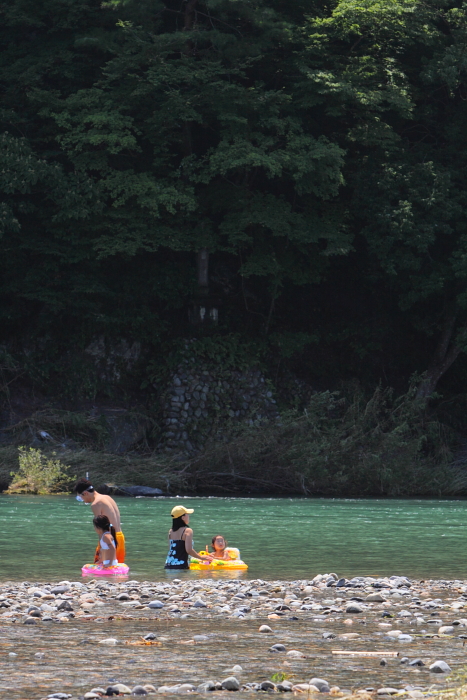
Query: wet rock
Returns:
{"type": "Point", "coordinates": [59, 696]}
{"type": "Point", "coordinates": [446, 629]}
{"type": "Point", "coordinates": [150, 637]}
{"type": "Point", "coordinates": [295, 654]}
{"type": "Point", "coordinates": [123, 596]}
{"type": "Point", "coordinates": [329, 635]}
{"type": "Point", "coordinates": [150, 688]}
{"type": "Point", "coordinates": [375, 598]}
{"type": "Point", "coordinates": [65, 605]}
{"type": "Point", "coordinates": [58, 590]}
{"type": "Point", "coordinates": [122, 688]}
{"type": "Point", "coordinates": [277, 648]}
{"type": "Point", "coordinates": [156, 604]}
{"type": "Point", "coordinates": [416, 662]}
{"type": "Point", "coordinates": [139, 690]}
{"type": "Point", "coordinates": [30, 621]}
{"type": "Point", "coordinates": [322, 685]}
{"type": "Point", "coordinates": [265, 629]}
{"type": "Point", "coordinates": [199, 604]}
{"type": "Point", "coordinates": [405, 638]}
{"type": "Point", "coordinates": [353, 608]}
{"type": "Point", "coordinates": [405, 660]}
{"type": "Point", "coordinates": [267, 685]}
{"type": "Point", "coordinates": [109, 642]}
{"type": "Point", "coordinates": [230, 683]}
{"type": "Point", "coordinates": [284, 687]}
{"type": "Point", "coordinates": [383, 662]}
{"type": "Point", "coordinates": [440, 667]}
{"type": "Point", "coordinates": [206, 687]}
{"type": "Point", "coordinates": [90, 695]}
{"type": "Point", "coordinates": [387, 691]}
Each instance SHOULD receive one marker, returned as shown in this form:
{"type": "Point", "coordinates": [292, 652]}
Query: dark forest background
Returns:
{"type": "Point", "coordinates": [315, 151]}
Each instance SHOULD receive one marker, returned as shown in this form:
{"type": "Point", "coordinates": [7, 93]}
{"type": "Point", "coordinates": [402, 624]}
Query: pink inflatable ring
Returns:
{"type": "Point", "coordinates": [98, 570]}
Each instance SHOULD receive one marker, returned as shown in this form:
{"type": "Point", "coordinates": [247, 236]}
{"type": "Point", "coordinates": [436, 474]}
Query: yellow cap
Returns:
{"type": "Point", "coordinates": [178, 511]}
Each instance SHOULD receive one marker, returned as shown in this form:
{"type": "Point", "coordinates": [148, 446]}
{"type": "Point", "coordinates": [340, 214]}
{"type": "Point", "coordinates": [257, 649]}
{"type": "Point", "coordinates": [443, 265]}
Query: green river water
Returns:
{"type": "Point", "coordinates": [51, 537]}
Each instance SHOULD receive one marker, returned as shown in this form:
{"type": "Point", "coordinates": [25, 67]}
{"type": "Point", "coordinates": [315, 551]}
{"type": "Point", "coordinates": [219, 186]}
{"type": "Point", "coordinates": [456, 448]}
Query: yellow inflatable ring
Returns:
{"type": "Point", "coordinates": [234, 563]}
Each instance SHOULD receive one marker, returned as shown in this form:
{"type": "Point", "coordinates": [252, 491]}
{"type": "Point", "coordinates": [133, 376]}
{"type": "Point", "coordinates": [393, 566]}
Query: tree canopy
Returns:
{"type": "Point", "coordinates": [316, 149]}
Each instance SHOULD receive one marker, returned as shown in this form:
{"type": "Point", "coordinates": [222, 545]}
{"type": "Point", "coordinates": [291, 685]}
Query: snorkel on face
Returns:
{"type": "Point", "coordinates": [84, 488]}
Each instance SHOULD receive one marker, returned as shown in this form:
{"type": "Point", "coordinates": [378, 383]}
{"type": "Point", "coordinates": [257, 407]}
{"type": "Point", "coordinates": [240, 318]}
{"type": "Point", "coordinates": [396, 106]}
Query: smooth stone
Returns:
{"type": "Point", "coordinates": [64, 605]}
{"type": "Point", "coordinates": [353, 609]}
{"type": "Point", "coordinates": [394, 633]}
{"type": "Point", "coordinates": [440, 667]}
{"type": "Point", "coordinates": [57, 590]}
{"type": "Point", "coordinates": [277, 648]}
{"type": "Point", "coordinates": [387, 691]}
{"type": "Point", "coordinates": [150, 688]}
{"type": "Point", "coordinates": [155, 604]}
{"type": "Point", "coordinates": [236, 669]}
{"type": "Point", "coordinates": [59, 696]}
{"type": "Point", "coordinates": [301, 687]}
{"type": "Point", "coordinates": [321, 684]}
{"type": "Point", "coordinates": [416, 662]}
{"type": "Point", "coordinates": [329, 635]}
{"type": "Point", "coordinates": [446, 629]}
{"type": "Point", "coordinates": [284, 687]}
{"type": "Point", "coordinates": [30, 621]}
{"type": "Point", "coordinates": [405, 638]}
{"type": "Point", "coordinates": [122, 688]}
{"type": "Point", "coordinates": [267, 685]}
{"type": "Point", "coordinates": [39, 655]}
{"type": "Point", "coordinates": [405, 660]}
{"type": "Point", "coordinates": [12, 653]}
{"type": "Point", "coordinates": [230, 683]}
{"type": "Point", "coordinates": [150, 637]}
{"type": "Point", "coordinates": [295, 654]}
{"type": "Point", "coordinates": [139, 690]}
{"type": "Point", "coordinates": [35, 613]}
{"type": "Point", "coordinates": [110, 641]}
{"type": "Point", "coordinates": [123, 596]}
{"type": "Point", "coordinates": [375, 598]}
{"type": "Point", "coordinates": [201, 638]}
{"type": "Point", "coordinates": [348, 635]}
{"type": "Point", "coordinates": [265, 628]}
{"type": "Point", "coordinates": [206, 687]}
{"type": "Point", "coordinates": [91, 695]}
{"type": "Point", "coordinates": [383, 662]}
{"type": "Point", "coordinates": [200, 604]}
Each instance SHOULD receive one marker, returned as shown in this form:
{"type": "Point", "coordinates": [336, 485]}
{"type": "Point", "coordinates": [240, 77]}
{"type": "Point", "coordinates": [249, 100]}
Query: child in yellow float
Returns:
{"type": "Point", "coordinates": [219, 545]}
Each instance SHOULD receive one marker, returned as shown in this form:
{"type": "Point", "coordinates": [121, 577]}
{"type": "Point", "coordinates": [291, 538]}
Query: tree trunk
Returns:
{"type": "Point", "coordinates": [445, 355]}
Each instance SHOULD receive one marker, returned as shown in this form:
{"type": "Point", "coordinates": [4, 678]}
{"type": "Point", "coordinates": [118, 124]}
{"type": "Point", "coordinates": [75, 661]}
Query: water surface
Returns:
{"type": "Point", "coordinates": [51, 537]}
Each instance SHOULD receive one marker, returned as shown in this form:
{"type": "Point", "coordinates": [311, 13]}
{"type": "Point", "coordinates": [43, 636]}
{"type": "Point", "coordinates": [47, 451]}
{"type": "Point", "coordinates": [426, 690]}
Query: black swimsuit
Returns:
{"type": "Point", "coordinates": [177, 558]}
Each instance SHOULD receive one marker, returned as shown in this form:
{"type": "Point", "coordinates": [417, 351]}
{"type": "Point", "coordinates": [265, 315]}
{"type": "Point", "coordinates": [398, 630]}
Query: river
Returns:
{"type": "Point", "coordinates": [51, 537]}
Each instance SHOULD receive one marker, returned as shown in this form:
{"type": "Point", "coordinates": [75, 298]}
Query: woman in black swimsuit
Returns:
{"type": "Point", "coordinates": [181, 540]}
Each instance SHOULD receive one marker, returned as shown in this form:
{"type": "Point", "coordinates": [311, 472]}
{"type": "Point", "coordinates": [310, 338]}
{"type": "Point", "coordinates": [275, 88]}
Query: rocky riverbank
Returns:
{"type": "Point", "coordinates": [372, 637]}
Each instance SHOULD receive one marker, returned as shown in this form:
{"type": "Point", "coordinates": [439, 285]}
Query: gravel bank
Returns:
{"type": "Point", "coordinates": [367, 636]}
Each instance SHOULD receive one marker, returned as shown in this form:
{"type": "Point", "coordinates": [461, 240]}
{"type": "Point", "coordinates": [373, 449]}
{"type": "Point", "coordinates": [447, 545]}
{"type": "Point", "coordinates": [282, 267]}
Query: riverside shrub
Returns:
{"type": "Point", "coordinates": [37, 473]}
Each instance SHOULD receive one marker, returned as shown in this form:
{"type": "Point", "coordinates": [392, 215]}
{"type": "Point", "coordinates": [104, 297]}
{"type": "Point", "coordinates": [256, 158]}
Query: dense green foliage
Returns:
{"type": "Point", "coordinates": [317, 149]}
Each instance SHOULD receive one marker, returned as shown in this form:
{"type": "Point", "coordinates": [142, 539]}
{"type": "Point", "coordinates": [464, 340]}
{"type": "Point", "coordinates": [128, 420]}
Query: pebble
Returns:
{"type": "Point", "coordinates": [387, 691]}
{"type": "Point", "coordinates": [322, 685]}
{"type": "Point", "coordinates": [440, 667]}
{"type": "Point", "coordinates": [324, 601]}
{"type": "Point", "coordinates": [230, 683]}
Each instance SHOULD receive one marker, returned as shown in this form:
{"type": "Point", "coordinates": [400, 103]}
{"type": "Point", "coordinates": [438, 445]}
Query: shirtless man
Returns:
{"type": "Point", "coordinates": [102, 505]}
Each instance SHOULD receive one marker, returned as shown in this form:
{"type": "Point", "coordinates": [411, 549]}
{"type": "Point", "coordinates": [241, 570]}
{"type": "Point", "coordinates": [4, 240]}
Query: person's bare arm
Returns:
{"type": "Point", "coordinates": [189, 547]}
